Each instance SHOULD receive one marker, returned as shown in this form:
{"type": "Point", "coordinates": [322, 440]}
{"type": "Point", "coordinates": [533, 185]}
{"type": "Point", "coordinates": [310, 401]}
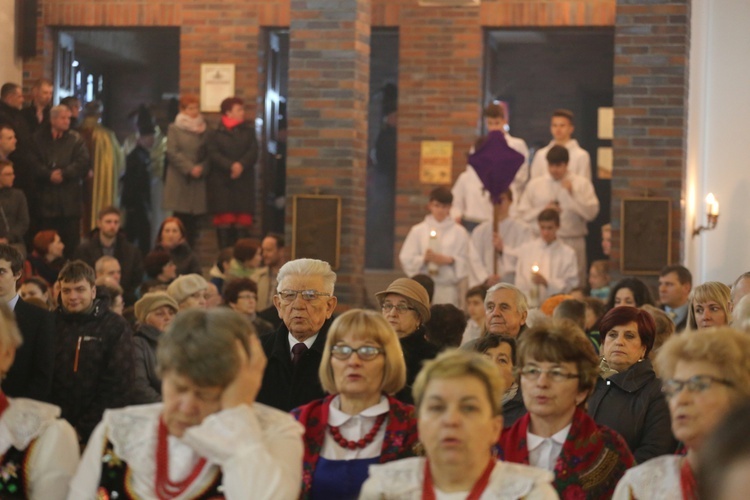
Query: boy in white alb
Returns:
{"type": "Point", "coordinates": [471, 201]}
{"type": "Point", "coordinates": [546, 266]}
{"type": "Point", "coordinates": [561, 128]}
{"type": "Point", "coordinates": [499, 244]}
{"type": "Point", "coordinates": [439, 247]}
{"type": "Point", "coordinates": [570, 195]}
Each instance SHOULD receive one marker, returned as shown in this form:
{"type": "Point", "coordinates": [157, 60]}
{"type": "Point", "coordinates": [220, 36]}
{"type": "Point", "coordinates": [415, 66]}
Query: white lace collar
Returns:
{"type": "Point", "coordinates": [24, 421]}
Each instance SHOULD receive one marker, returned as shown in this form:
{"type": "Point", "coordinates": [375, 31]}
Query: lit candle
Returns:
{"type": "Point", "coordinates": [534, 292]}
{"type": "Point", "coordinates": [434, 245]}
{"type": "Point", "coordinates": [712, 205]}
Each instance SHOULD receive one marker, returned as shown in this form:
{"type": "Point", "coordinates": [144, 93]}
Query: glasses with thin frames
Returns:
{"type": "Point", "coordinates": [400, 308]}
{"type": "Point", "coordinates": [555, 374]}
{"type": "Point", "coordinates": [696, 383]}
{"type": "Point", "coordinates": [365, 352]}
{"type": "Point", "coordinates": [289, 296]}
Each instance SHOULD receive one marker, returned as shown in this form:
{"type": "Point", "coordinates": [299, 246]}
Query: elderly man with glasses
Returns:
{"type": "Point", "coordinates": [305, 302]}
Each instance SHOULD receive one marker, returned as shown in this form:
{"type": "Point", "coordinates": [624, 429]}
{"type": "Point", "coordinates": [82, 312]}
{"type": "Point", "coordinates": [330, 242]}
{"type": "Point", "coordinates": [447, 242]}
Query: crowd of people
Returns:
{"type": "Point", "coordinates": [129, 371]}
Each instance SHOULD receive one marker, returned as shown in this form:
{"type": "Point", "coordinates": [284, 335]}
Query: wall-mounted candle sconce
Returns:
{"type": "Point", "coordinates": [712, 215]}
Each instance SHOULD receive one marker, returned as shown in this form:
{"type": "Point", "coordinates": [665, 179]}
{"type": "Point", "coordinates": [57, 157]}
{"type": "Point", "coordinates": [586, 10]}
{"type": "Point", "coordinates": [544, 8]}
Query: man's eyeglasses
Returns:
{"type": "Point", "coordinates": [288, 296]}
{"type": "Point", "coordinates": [697, 383]}
{"type": "Point", "coordinates": [401, 308]}
{"type": "Point", "coordinates": [555, 374]}
{"type": "Point", "coordinates": [365, 352]}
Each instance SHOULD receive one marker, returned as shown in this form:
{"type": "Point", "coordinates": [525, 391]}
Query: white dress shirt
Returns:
{"type": "Point", "coordinates": [292, 342]}
{"type": "Point", "coordinates": [543, 452]}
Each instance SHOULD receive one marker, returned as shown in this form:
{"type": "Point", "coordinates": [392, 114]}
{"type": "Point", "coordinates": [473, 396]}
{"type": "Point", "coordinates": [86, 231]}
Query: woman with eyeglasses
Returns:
{"type": "Point", "coordinates": [628, 397]}
{"type": "Point", "coordinates": [558, 367]}
{"type": "Point", "coordinates": [405, 305]}
{"type": "Point", "coordinates": [459, 411]}
{"type": "Point", "coordinates": [359, 423]}
{"type": "Point", "coordinates": [706, 374]}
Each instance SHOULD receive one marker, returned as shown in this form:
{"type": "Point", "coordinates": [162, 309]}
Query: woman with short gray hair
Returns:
{"type": "Point", "coordinates": [220, 441]}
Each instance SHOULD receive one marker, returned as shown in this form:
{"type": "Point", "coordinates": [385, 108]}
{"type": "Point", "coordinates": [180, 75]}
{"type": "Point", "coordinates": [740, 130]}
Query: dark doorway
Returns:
{"type": "Point", "coordinates": [538, 71]}
{"type": "Point", "coordinates": [122, 68]}
{"type": "Point", "coordinates": [382, 139]}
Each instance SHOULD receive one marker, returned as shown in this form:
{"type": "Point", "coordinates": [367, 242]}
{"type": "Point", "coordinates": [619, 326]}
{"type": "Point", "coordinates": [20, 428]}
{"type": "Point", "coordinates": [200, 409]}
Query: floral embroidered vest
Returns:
{"type": "Point", "coordinates": [13, 473]}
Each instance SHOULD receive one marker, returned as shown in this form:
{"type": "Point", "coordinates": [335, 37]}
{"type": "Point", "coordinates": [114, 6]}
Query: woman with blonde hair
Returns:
{"type": "Point", "coordinates": [459, 409]}
{"type": "Point", "coordinates": [705, 374]}
{"type": "Point", "coordinates": [38, 451]}
{"type": "Point", "coordinates": [709, 306]}
{"type": "Point", "coordinates": [360, 422]}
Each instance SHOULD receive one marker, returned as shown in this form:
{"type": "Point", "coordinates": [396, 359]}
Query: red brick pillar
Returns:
{"type": "Point", "coordinates": [650, 99]}
{"type": "Point", "coordinates": [329, 71]}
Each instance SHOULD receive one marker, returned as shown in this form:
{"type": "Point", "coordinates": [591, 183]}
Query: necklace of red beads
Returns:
{"type": "Point", "coordinates": [353, 445]}
{"type": "Point", "coordinates": [165, 488]}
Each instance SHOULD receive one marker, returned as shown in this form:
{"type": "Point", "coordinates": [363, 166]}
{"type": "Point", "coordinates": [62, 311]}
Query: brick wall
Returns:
{"type": "Point", "coordinates": [329, 71]}
{"type": "Point", "coordinates": [651, 64]}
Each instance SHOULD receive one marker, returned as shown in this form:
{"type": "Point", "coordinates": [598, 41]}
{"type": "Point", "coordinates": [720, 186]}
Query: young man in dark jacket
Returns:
{"type": "Point", "coordinates": [94, 352]}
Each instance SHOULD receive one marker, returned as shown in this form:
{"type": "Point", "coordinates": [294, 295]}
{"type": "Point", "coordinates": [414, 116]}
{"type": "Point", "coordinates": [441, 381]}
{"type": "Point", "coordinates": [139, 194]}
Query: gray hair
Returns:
{"type": "Point", "coordinates": [308, 267]}
{"type": "Point", "coordinates": [202, 346]}
{"type": "Point", "coordinates": [56, 110]}
{"type": "Point", "coordinates": [521, 303]}
{"type": "Point", "coordinates": [102, 261]}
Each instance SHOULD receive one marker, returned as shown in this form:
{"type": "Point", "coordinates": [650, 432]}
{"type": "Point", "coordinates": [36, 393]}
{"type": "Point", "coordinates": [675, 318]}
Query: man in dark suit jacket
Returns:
{"type": "Point", "coordinates": [31, 373]}
{"type": "Point", "coordinates": [305, 302]}
{"type": "Point", "coordinates": [675, 283]}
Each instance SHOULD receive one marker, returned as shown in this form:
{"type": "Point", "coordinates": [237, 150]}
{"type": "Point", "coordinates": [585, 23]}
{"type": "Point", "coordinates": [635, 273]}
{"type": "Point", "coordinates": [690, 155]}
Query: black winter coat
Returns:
{"type": "Point", "coordinates": [127, 254]}
{"type": "Point", "coordinates": [184, 259]}
{"type": "Point", "coordinates": [632, 404]}
{"type": "Point", "coordinates": [69, 154]}
{"type": "Point", "coordinates": [286, 386]}
{"type": "Point", "coordinates": [147, 385]}
{"type": "Point", "coordinates": [416, 350]}
{"type": "Point", "coordinates": [93, 365]}
{"type": "Point", "coordinates": [22, 157]}
{"type": "Point", "coordinates": [225, 147]}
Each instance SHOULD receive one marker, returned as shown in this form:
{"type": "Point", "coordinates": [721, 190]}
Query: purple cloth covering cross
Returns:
{"type": "Point", "coordinates": [496, 164]}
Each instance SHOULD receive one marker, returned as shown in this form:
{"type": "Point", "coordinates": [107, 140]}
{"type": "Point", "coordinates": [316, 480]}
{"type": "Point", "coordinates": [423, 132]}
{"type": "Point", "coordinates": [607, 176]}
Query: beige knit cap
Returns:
{"type": "Point", "coordinates": [186, 285]}
{"type": "Point", "coordinates": [152, 301]}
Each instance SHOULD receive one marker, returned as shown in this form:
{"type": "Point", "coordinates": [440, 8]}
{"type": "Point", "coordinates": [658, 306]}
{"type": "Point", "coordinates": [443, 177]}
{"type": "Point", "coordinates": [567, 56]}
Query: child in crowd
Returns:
{"type": "Point", "coordinates": [438, 246]}
{"type": "Point", "coordinates": [475, 307]}
{"type": "Point", "coordinates": [599, 279]}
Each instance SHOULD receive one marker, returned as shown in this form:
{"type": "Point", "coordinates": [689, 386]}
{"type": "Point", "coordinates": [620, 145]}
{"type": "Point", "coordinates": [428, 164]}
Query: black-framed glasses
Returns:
{"type": "Point", "coordinates": [288, 296]}
{"type": "Point", "coordinates": [696, 383]}
{"type": "Point", "coordinates": [555, 374]}
{"type": "Point", "coordinates": [400, 308]}
{"type": "Point", "coordinates": [365, 352]}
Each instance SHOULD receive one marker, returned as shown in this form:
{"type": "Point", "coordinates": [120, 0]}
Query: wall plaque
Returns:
{"type": "Point", "coordinates": [316, 228]}
{"type": "Point", "coordinates": [645, 235]}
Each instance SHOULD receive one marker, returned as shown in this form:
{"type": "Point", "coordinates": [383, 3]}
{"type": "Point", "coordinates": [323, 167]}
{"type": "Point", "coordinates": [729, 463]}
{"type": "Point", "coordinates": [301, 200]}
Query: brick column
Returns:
{"type": "Point", "coordinates": [650, 99]}
{"type": "Point", "coordinates": [329, 71]}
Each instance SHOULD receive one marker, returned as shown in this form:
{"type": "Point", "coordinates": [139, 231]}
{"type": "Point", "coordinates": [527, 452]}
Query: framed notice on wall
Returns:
{"type": "Point", "coordinates": [316, 228]}
{"type": "Point", "coordinates": [436, 162]}
{"type": "Point", "coordinates": [217, 83]}
{"type": "Point", "coordinates": [645, 235]}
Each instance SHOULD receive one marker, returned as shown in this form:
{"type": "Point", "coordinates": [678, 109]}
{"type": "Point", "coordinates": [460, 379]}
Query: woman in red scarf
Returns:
{"type": "Point", "coordinates": [558, 368]}
{"type": "Point", "coordinates": [459, 405]}
{"type": "Point", "coordinates": [232, 153]}
{"type": "Point", "coordinates": [706, 373]}
{"type": "Point", "coordinates": [360, 423]}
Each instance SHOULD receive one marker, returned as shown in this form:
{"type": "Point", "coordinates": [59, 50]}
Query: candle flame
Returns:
{"type": "Point", "coordinates": [710, 199]}
{"type": "Point", "coordinates": [433, 233]}
{"type": "Point", "coordinates": [534, 268]}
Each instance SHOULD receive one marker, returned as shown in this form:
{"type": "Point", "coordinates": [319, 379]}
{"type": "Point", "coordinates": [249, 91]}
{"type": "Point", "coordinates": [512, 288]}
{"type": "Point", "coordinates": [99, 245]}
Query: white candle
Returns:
{"type": "Point", "coordinates": [712, 205]}
{"type": "Point", "coordinates": [534, 292]}
{"type": "Point", "coordinates": [434, 245]}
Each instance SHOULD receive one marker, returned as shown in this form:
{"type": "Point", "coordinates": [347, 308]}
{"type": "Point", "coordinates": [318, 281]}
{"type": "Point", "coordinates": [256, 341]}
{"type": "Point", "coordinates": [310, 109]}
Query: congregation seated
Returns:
{"type": "Point", "coordinates": [705, 374]}
{"type": "Point", "coordinates": [359, 423]}
{"type": "Point", "coordinates": [459, 420]}
{"type": "Point", "coordinates": [209, 438]}
{"type": "Point", "coordinates": [558, 368]}
{"type": "Point", "coordinates": [38, 450]}
{"type": "Point", "coordinates": [501, 350]}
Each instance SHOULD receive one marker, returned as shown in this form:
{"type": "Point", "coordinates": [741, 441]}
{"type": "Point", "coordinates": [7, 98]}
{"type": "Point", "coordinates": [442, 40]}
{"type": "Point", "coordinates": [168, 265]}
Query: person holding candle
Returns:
{"type": "Point", "coordinates": [546, 266]}
{"type": "Point", "coordinates": [440, 247]}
